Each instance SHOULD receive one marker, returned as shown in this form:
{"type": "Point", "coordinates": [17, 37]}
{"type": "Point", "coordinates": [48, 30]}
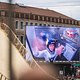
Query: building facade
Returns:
{"type": "Point", "coordinates": [23, 16]}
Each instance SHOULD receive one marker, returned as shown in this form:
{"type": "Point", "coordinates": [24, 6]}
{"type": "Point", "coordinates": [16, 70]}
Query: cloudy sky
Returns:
{"type": "Point", "coordinates": [70, 8]}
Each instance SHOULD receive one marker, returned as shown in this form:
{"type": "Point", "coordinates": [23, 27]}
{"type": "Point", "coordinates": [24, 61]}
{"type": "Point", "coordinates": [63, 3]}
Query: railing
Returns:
{"type": "Point", "coordinates": [21, 48]}
{"type": "Point", "coordinates": [13, 38]}
{"type": "Point", "coordinates": [2, 77]}
{"type": "Point", "coordinates": [16, 42]}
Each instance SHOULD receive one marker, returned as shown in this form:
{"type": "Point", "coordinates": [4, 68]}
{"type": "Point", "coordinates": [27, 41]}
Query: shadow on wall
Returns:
{"type": "Point", "coordinates": [35, 75]}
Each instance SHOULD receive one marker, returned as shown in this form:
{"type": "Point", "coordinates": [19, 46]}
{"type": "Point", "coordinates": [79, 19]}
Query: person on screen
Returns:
{"type": "Point", "coordinates": [71, 34]}
{"type": "Point", "coordinates": [51, 51]}
{"type": "Point", "coordinates": [71, 38]}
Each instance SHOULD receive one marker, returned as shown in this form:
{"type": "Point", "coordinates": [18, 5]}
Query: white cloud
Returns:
{"type": "Point", "coordinates": [71, 11]}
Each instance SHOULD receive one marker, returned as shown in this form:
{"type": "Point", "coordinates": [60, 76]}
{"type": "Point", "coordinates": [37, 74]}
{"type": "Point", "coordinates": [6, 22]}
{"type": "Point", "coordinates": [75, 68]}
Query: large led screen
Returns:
{"type": "Point", "coordinates": [54, 43]}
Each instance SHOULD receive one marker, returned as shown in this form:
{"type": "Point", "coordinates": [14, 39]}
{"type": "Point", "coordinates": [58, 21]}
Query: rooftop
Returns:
{"type": "Point", "coordinates": [33, 10]}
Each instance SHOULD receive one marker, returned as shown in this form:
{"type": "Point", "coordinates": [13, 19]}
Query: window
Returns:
{"type": "Point", "coordinates": [56, 20]}
{"type": "Point", "coordinates": [74, 22]}
{"type": "Point", "coordinates": [45, 18]}
{"type": "Point", "coordinates": [52, 19]}
{"type": "Point", "coordinates": [60, 20]}
{"type": "Point", "coordinates": [22, 25]}
{"type": "Point", "coordinates": [40, 24]}
{"type": "Point", "coordinates": [64, 21]}
{"type": "Point", "coordinates": [44, 25]}
{"type": "Point", "coordinates": [22, 39]}
{"type": "Point", "coordinates": [26, 23]}
{"type": "Point", "coordinates": [6, 13]}
{"type": "Point", "coordinates": [70, 21]}
{"type": "Point", "coordinates": [2, 13]}
{"type": "Point", "coordinates": [40, 18]}
{"type": "Point", "coordinates": [60, 26]}
{"type": "Point", "coordinates": [31, 16]}
{"type": "Point", "coordinates": [77, 23]}
{"type": "Point", "coordinates": [48, 24]}
{"type": "Point", "coordinates": [17, 15]}
{"type": "Point", "coordinates": [36, 24]}
{"type": "Point", "coordinates": [49, 19]}
{"type": "Point", "coordinates": [36, 17]}
{"type": "Point", "coordinates": [31, 24]}
{"type": "Point", "coordinates": [52, 25]}
{"type": "Point", "coordinates": [26, 16]}
{"type": "Point", "coordinates": [16, 24]}
{"type": "Point", "coordinates": [22, 15]}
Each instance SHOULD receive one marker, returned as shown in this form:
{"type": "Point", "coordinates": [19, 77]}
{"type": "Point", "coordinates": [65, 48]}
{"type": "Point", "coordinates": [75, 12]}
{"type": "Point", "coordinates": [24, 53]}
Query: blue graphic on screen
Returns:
{"type": "Point", "coordinates": [54, 43]}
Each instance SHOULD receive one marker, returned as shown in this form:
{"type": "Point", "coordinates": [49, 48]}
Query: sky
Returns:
{"type": "Point", "coordinates": [70, 8]}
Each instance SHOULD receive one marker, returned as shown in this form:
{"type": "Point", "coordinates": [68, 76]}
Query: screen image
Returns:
{"type": "Point", "coordinates": [54, 43]}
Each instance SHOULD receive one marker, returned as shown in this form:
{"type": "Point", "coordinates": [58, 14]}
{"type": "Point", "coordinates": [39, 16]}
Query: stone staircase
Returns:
{"type": "Point", "coordinates": [2, 77]}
